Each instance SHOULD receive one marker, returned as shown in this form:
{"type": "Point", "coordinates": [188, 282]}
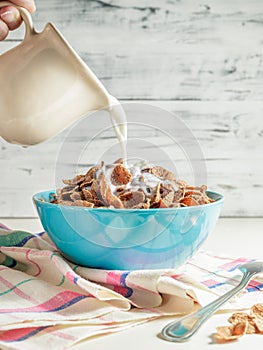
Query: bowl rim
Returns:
{"type": "Point", "coordinates": [37, 201]}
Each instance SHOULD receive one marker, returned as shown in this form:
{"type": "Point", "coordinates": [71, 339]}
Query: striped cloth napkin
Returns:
{"type": "Point", "coordinates": [46, 300]}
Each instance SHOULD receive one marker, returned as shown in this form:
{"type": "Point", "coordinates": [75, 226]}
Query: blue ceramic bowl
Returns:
{"type": "Point", "coordinates": [128, 239]}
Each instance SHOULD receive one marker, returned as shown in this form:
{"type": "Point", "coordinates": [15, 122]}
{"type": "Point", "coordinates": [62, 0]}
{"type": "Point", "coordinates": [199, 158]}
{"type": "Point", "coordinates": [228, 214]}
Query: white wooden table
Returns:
{"type": "Point", "coordinates": [233, 237]}
{"type": "Point", "coordinates": [202, 61]}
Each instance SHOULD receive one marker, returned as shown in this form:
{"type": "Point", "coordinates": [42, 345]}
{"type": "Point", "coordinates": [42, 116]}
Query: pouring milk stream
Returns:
{"type": "Point", "coordinates": [45, 86]}
{"type": "Point", "coordinates": [119, 122]}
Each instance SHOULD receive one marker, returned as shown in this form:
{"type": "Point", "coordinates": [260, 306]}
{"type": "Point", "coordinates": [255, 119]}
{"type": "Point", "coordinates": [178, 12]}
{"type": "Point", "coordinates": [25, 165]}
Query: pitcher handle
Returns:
{"type": "Point", "coordinates": [26, 17]}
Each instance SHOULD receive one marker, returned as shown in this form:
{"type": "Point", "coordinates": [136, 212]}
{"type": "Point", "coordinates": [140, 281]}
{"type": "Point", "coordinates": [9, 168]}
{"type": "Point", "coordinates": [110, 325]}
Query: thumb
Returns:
{"type": "Point", "coordinates": [27, 4]}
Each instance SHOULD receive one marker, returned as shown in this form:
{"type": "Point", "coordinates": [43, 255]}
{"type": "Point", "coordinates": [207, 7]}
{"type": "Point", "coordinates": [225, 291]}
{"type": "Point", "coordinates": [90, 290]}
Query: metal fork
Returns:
{"type": "Point", "coordinates": [184, 329]}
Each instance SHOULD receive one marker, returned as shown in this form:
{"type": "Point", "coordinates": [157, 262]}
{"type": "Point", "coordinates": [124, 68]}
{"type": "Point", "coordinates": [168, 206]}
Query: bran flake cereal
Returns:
{"type": "Point", "coordinates": [134, 187]}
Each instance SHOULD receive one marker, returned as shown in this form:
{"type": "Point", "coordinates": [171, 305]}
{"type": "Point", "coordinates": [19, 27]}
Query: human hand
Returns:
{"type": "Point", "coordinates": [10, 18]}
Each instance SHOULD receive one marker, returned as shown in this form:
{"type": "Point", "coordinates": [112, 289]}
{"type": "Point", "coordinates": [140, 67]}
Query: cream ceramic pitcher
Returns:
{"type": "Point", "coordinates": [44, 86]}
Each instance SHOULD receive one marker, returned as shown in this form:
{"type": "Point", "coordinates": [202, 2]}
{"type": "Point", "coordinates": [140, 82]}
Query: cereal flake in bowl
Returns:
{"type": "Point", "coordinates": [114, 217]}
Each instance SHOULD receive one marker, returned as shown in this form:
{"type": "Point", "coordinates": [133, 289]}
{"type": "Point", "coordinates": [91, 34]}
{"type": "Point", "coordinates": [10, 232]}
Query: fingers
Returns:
{"type": "Point", "coordinates": [3, 30]}
{"type": "Point", "coordinates": [28, 4]}
{"type": "Point", "coordinates": [10, 18]}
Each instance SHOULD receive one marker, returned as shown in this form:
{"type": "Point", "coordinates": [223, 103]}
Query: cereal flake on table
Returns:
{"type": "Point", "coordinates": [241, 323]}
{"type": "Point", "coordinates": [135, 187]}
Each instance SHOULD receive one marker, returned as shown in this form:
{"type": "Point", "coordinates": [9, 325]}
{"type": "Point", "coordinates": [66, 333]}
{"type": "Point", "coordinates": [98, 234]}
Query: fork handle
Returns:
{"type": "Point", "coordinates": [179, 331]}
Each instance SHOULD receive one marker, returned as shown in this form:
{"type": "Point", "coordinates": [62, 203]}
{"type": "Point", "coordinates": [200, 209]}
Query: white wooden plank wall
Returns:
{"type": "Point", "coordinates": [202, 60]}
